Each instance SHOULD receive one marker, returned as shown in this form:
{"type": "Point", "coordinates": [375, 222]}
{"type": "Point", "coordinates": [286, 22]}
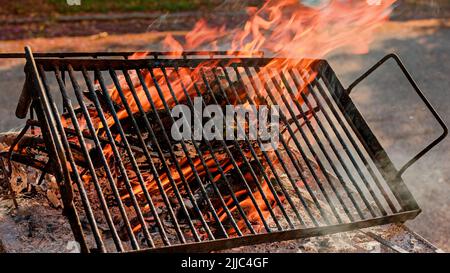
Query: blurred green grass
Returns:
{"type": "Point", "coordinates": [48, 7]}
{"type": "Point", "coordinates": [61, 6]}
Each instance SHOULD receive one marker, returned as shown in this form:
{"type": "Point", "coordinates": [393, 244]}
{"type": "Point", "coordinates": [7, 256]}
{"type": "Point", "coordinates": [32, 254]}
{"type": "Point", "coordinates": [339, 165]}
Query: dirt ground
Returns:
{"type": "Point", "coordinates": [389, 104]}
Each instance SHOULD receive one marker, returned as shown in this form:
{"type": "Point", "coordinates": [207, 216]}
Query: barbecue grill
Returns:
{"type": "Point", "coordinates": [330, 175]}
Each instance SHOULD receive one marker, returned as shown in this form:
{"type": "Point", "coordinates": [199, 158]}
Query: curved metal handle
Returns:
{"type": "Point", "coordinates": [420, 94]}
{"type": "Point", "coordinates": [25, 98]}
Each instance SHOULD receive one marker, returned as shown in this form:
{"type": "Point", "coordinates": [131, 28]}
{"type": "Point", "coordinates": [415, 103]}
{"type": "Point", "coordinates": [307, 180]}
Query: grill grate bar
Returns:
{"type": "Point", "coordinates": [342, 162]}
{"type": "Point", "coordinates": [165, 199]}
{"type": "Point", "coordinates": [79, 183]}
{"type": "Point", "coordinates": [322, 148]}
{"type": "Point", "coordinates": [156, 193]}
{"type": "Point", "coordinates": [266, 156]}
{"type": "Point", "coordinates": [313, 152]}
{"type": "Point", "coordinates": [185, 184]}
{"type": "Point", "coordinates": [159, 151]}
{"type": "Point", "coordinates": [299, 169]}
{"type": "Point", "coordinates": [252, 150]}
{"type": "Point", "coordinates": [149, 98]}
{"type": "Point", "coordinates": [208, 88]}
{"type": "Point", "coordinates": [172, 154]}
{"type": "Point", "coordinates": [104, 162]}
{"type": "Point", "coordinates": [216, 161]}
{"type": "Point", "coordinates": [142, 142]}
{"type": "Point", "coordinates": [131, 156]}
{"type": "Point", "coordinates": [198, 150]}
{"type": "Point", "coordinates": [237, 168]}
{"type": "Point", "coordinates": [351, 139]}
{"type": "Point", "coordinates": [100, 195]}
{"type": "Point", "coordinates": [328, 179]}
{"type": "Point", "coordinates": [280, 158]}
{"type": "Point", "coordinates": [120, 164]}
{"type": "Point", "coordinates": [158, 181]}
{"type": "Point", "coordinates": [344, 165]}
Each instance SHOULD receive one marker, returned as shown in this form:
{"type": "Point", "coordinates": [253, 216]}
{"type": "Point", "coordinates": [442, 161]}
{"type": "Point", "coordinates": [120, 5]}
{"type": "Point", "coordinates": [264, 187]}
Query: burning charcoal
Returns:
{"type": "Point", "coordinates": [190, 209]}
{"type": "Point", "coordinates": [53, 198]}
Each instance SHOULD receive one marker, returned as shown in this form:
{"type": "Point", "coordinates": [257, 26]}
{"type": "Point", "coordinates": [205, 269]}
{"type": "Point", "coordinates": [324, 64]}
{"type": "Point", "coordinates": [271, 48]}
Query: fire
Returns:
{"type": "Point", "coordinates": [283, 28]}
{"type": "Point", "coordinates": [187, 173]}
{"type": "Point", "coordinates": [288, 28]}
{"type": "Point", "coordinates": [249, 208]}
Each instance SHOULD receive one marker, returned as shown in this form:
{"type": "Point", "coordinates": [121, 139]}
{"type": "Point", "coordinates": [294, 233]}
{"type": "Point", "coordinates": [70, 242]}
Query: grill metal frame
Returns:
{"type": "Point", "coordinates": [336, 105]}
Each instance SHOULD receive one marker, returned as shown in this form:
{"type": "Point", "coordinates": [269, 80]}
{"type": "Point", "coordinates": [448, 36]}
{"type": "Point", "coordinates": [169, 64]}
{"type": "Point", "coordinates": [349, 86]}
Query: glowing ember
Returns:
{"type": "Point", "coordinates": [285, 28]}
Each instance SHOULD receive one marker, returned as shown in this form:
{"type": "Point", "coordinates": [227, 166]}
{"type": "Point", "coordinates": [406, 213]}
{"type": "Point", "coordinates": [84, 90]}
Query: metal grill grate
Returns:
{"type": "Point", "coordinates": [329, 175]}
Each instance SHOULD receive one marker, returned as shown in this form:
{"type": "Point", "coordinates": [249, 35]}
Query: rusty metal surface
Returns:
{"type": "Point", "coordinates": [334, 102]}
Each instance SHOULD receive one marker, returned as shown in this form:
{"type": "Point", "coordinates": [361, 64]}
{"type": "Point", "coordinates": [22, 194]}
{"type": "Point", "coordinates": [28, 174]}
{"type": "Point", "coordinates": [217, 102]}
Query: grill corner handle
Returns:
{"type": "Point", "coordinates": [419, 92]}
{"type": "Point", "coordinates": [24, 100]}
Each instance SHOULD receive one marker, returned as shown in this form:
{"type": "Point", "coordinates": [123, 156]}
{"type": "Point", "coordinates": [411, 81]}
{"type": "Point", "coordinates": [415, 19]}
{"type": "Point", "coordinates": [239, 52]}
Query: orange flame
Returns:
{"type": "Point", "coordinates": [280, 28]}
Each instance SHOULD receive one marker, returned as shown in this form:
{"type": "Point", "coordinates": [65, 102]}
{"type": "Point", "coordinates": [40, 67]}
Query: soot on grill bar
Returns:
{"type": "Point", "coordinates": [232, 138]}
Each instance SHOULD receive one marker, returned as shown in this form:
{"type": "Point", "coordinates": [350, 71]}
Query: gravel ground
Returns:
{"type": "Point", "coordinates": [389, 105]}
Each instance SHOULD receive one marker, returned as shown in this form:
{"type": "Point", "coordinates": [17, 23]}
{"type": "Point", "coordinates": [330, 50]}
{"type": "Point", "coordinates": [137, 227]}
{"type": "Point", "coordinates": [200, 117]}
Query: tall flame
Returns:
{"type": "Point", "coordinates": [291, 29]}
{"type": "Point", "coordinates": [281, 28]}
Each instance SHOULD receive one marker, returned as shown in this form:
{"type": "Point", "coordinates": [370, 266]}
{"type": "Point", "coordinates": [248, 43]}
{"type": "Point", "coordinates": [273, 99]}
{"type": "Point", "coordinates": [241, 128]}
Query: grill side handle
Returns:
{"type": "Point", "coordinates": [25, 97]}
{"type": "Point", "coordinates": [422, 97]}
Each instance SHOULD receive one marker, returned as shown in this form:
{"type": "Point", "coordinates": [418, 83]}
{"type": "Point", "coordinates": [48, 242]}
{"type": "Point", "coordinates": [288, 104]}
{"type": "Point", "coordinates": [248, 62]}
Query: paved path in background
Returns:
{"type": "Point", "coordinates": [389, 104]}
{"type": "Point", "coordinates": [399, 119]}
